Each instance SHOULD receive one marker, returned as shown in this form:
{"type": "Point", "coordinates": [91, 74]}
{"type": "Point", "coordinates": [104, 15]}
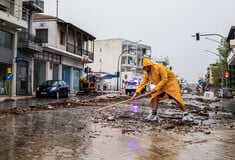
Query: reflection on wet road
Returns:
{"type": "Point", "coordinates": [114, 145]}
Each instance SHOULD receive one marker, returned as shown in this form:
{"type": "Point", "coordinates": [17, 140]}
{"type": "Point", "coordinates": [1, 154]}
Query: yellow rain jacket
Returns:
{"type": "Point", "coordinates": [164, 80]}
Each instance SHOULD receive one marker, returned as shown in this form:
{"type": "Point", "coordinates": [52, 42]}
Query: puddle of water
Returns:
{"type": "Point", "coordinates": [218, 145]}
{"type": "Point", "coordinates": [111, 144]}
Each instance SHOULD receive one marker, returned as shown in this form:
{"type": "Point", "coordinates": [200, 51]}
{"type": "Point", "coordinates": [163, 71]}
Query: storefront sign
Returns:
{"type": "Point", "coordinates": [19, 59]}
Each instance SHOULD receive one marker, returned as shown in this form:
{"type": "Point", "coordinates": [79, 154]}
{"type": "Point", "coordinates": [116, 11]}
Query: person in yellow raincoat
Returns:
{"type": "Point", "coordinates": [166, 86]}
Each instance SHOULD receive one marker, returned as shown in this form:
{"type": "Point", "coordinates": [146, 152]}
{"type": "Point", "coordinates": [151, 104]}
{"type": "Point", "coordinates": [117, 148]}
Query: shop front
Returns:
{"type": "Point", "coordinates": [6, 56]}
{"type": "Point", "coordinates": [39, 73]}
{"type": "Point", "coordinates": [4, 83]}
{"type": "Point", "coordinates": [77, 73]}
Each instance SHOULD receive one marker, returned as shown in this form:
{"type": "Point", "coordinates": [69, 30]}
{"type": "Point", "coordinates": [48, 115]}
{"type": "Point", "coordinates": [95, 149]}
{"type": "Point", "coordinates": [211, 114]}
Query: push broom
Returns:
{"type": "Point", "coordinates": [125, 101]}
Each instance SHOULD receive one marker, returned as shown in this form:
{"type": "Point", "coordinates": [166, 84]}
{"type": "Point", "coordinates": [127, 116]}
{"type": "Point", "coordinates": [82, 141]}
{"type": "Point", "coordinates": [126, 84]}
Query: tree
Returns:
{"type": "Point", "coordinates": [223, 50]}
{"type": "Point", "coordinates": [216, 72]}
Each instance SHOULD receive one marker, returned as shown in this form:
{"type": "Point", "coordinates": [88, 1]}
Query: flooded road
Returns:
{"type": "Point", "coordinates": [82, 133]}
{"type": "Point", "coordinates": [67, 134]}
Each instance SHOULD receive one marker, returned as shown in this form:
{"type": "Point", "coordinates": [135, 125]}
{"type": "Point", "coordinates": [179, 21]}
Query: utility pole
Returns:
{"type": "Point", "coordinates": [57, 6]}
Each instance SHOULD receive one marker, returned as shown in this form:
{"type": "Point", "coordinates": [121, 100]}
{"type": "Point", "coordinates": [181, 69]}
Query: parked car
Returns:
{"type": "Point", "coordinates": [53, 88]}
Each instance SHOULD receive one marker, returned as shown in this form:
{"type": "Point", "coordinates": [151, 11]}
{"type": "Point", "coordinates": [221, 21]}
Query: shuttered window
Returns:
{"type": "Point", "coordinates": [42, 34]}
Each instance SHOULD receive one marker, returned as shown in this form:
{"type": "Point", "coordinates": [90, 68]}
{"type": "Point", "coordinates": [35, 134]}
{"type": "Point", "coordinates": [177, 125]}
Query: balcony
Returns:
{"type": "Point", "coordinates": [34, 5]}
{"type": "Point", "coordinates": [13, 15]}
{"type": "Point", "coordinates": [88, 54]}
{"type": "Point", "coordinates": [29, 43]}
{"type": "Point", "coordinates": [79, 51]}
{"type": "Point", "coordinates": [74, 49]}
{"type": "Point", "coordinates": [128, 65]}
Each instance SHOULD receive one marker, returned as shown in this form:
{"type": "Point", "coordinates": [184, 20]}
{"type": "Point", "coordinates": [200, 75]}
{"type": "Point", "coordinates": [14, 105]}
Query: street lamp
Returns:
{"type": "Point", "coordinates": [213, 40]}
{"type": "Point", "coordinates": [198, 35]}
{"type": "Point", "coordinates": [118, 74]}
{"type": "Point", "coordinates": [221, 65]}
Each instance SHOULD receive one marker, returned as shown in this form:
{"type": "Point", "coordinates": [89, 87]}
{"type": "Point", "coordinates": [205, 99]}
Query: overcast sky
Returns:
{"type": "Point", "coordinates": [165, 25]}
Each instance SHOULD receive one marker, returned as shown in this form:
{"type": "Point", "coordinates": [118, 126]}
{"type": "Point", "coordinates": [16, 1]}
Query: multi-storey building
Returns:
{"type": "Point", "coordinates": [66, 50]}
{"type": "Point", "coordinates": [162, 61]}
{"type": "Point", "coordinates": [28, 46]}
{"type": "Point", "coordinates": [210, 74]}
{"type": "Point", "coordinates": [231, 40]}
{"type": "Point", "coordinates": [13, 18]}
{"type": "Point", "coordinates": [119, 57]}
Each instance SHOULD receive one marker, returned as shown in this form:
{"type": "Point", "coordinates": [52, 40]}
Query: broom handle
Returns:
{"type": "Point", "coordinates": [143, 95]}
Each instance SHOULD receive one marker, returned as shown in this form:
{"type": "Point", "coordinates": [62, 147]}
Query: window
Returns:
{"type": "Point", "coordinates": [130, 60]}
{"type": "Point", "coordinates": [48, 56]}
{"type": "Point", "coordinates": [6, 40]}
{"type": "Point", "coordinates": [144, 50]}
{"type": "Point", "coordinates": [42, 34]}
{"type": "Point", "coordinates": [62, 38]}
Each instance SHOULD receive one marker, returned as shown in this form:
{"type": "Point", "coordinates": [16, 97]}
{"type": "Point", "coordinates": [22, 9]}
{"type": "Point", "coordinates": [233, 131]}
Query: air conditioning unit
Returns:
{"type": "Point", "coordinates": [42, 24]}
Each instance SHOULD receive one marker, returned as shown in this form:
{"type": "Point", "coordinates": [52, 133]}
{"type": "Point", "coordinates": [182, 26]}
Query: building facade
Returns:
{"type": "Point", "coordinates": [210, 74]}
{"type": "Point", "coordinates": [162, 61]}
{"type": "Point", "coordinates": [119, 57]}
{"type": "Point", "coordinates": [28, 45]}
{"type": "Point", "coordinates": [231, 57]}
{"type": "Point", "coordinates": [13, 18]}
{"type": "Point", "coordinates": [67, 49]}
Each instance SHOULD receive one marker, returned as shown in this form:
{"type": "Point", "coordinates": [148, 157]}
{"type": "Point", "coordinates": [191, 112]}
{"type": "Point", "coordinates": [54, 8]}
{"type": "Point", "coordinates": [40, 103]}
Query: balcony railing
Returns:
{"type": "Point", "coordinates": [27, 37]}
{"type": "Point", "coordinates": [14, 9]}
{"type": "Point", "coordinates": [90, 55]}
{"type": "Point", "coordinates": [29, 42]}
{"type": "Point", "coordinates": [74, 49]}
{"type": "Point", "coordinates": [34, 5]}
{"type": "Point", "coordinates": [79, 51]}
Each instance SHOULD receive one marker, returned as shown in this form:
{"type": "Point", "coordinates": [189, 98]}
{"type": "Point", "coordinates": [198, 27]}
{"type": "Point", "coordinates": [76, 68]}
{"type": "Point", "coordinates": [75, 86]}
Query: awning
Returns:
{"type": "Point", "coordinates": [110, 76]}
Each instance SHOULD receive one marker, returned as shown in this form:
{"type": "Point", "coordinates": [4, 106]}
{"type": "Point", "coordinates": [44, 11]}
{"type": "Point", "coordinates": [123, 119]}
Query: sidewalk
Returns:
{"type": "Point", "coordinates": [14, 98]}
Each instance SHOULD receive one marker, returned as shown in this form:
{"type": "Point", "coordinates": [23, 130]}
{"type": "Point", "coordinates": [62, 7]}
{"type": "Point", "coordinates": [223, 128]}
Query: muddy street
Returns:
{"type": "Point", "coordinates": [74, 129]}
